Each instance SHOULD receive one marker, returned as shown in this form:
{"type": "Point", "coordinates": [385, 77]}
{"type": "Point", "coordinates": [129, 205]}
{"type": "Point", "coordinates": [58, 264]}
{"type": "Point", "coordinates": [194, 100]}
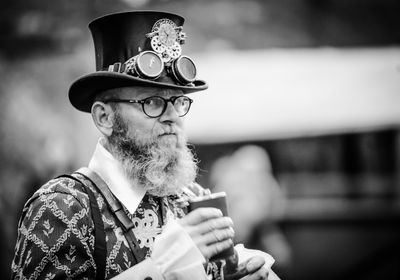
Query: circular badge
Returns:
{"type": "Point", "coordinates": [167, 34]}
{"type": "Point", "coordinates": [174, 51]}
{"type": "Point", "coordinates": [156, 45]}
{"type": "Point", "coordinates": [166, 38]}
{"type": "Point", "coordinates": [149, 64]}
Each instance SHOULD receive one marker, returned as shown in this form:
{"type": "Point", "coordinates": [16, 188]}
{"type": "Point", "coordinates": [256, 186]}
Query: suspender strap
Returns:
{"type": "Point", "coordinates": [100, 250]}
{"type": "Point", "coordinates": [116, 207]}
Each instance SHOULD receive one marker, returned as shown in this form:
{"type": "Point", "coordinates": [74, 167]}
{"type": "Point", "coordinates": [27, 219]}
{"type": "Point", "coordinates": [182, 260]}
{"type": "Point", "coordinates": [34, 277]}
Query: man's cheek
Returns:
{"type": "Point", "coordinates": [141, 136]}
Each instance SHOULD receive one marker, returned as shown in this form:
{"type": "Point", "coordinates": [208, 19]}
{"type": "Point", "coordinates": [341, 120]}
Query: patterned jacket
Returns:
{"type": "Point", "coordinates": [56, 233]}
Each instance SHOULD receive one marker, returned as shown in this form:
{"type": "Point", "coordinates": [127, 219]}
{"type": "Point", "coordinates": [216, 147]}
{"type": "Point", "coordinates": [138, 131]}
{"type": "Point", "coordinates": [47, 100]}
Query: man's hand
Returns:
{"type": "Point", "coordinates": [210, 231]}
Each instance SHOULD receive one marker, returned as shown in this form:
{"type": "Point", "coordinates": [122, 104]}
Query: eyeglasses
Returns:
{"type": "Point", "coordinates": [155, 106]}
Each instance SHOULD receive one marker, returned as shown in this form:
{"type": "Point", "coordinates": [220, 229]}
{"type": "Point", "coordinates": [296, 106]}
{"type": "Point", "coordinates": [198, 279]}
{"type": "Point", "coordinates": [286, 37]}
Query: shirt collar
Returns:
{"type": "Point", "coordinates": [110, 170]}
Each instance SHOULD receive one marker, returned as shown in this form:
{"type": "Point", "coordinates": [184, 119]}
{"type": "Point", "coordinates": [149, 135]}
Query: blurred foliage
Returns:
{"type": "Point", "coordinates": [32, 26]}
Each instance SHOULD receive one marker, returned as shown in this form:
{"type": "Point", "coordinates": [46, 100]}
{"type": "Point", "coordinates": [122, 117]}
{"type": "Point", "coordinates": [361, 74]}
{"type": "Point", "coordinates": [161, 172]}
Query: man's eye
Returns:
{"type": "Point", "coordinates": [183, 101]}
{"type": "Point", "coordinates": [154, 102]}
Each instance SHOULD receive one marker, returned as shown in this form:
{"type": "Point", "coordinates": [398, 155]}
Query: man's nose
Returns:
{"type": "Point", "coordinates": [170, 114]}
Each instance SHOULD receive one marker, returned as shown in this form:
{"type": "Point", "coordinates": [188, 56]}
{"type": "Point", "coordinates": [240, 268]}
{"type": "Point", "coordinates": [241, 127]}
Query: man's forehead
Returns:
{"type": "Point", "coordinates": [138, 92]}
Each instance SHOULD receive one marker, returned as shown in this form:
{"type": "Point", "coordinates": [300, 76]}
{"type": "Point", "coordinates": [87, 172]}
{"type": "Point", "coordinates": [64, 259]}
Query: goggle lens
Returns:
{"type": "Point", "coordinates": [186, 70]}
{"type": "Point", "coordinates": [149, 64]}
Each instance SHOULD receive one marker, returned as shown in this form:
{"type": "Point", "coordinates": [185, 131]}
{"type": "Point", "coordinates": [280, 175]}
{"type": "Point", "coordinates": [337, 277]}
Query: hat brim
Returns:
{"type": "Point", "coordinates": [83, 91]}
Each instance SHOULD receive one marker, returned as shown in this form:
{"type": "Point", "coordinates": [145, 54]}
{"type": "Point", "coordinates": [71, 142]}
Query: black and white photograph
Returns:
{"type": "Point", "coordinates": [200, 140]}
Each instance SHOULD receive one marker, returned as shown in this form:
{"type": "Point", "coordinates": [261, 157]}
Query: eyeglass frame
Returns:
{"type": "Point", "coordinates": [172, 99]}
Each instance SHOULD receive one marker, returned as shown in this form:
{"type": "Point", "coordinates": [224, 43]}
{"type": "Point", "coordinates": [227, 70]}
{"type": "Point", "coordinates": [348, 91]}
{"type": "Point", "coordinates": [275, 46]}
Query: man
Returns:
{"type": "Point", "coordinates": [124, 217]}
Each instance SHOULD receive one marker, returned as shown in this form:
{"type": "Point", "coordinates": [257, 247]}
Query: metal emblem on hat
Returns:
{"type": "Point", "coordinates": [166, 39]}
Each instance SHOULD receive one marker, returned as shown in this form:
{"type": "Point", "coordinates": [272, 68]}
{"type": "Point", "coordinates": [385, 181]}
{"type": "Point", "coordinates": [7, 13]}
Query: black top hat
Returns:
{"type": "Point", "coordinates": [119, 39]}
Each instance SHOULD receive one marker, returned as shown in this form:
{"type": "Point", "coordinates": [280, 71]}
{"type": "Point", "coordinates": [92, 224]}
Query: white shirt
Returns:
{"type": "Point", "coordinates": [110, 170]}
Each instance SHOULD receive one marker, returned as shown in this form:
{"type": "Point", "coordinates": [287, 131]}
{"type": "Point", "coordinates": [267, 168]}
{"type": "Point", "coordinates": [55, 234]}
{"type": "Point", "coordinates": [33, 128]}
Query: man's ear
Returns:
{"type": "Point", "coordinates": [103, 116]}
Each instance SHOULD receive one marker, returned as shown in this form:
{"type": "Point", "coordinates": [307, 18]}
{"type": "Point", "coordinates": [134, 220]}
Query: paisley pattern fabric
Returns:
{"type": "Point", "coordinates": [56, 232]}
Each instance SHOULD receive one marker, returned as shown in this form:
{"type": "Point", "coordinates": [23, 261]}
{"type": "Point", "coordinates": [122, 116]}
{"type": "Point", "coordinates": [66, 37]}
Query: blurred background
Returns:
{"type": "Point", "coordinates": [300, 125]}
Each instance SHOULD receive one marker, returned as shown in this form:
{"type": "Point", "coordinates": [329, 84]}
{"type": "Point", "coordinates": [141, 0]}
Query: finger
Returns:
{"type": "Point", "coordinates": [213, 224]}
{"type": "Point", "coordinates": [260, 274]}
{"type": "Point", "coordinates": [217, 236]}
{"type": "Point", "coordinates": [255, 263]}
{"type": "Point", "coordinates": [215, 248]}
{"type": "Point", "coordinates": [200, 215]}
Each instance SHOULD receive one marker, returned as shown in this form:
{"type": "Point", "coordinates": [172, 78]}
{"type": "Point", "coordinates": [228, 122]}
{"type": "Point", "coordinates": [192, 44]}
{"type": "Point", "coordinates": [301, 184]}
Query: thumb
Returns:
{"type": "Point", "coordinates": [254, 264]}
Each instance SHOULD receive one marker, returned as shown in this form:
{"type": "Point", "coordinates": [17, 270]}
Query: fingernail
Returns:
{"type": "Point", "coordinates": [229, 220]}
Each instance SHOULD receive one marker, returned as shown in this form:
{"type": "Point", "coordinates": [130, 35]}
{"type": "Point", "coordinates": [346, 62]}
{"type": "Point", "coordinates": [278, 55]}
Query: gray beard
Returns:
{"type": "Point", "coordinates": [162, 166]}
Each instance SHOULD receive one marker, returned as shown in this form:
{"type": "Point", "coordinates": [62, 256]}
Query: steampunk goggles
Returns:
{"type": "Point", "coordinates": [149, 65]}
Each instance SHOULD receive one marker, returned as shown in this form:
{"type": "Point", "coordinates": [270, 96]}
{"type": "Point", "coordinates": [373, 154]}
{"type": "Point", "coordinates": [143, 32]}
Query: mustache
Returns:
{"type": "Point", "coordinates": [169, 130]}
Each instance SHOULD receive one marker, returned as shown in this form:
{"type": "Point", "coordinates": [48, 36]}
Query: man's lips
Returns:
{"type": "Point", "coordinates": [168, 134]}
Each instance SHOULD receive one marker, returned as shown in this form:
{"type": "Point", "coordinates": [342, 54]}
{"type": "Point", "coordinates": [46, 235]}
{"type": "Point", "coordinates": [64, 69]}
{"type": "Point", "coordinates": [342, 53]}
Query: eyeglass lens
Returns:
{"type": "Point", "coordinates": [155, 106]}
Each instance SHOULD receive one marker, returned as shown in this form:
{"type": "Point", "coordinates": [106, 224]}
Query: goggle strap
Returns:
{"type": "Point", "coordinates": [117, 67]}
